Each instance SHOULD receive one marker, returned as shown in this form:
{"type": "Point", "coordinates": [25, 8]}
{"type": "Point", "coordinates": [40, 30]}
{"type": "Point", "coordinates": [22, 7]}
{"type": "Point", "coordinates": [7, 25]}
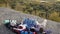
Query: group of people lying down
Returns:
{"type": "Point", "coordinates": [28, 26]}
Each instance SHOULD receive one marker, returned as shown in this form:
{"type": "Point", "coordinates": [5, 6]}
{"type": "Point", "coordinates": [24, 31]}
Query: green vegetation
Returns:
{"type": "Point", "coordinates": [49, 10]}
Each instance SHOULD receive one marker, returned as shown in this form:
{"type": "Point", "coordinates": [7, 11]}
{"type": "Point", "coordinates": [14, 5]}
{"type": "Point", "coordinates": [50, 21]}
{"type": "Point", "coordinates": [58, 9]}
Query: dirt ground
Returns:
{"type": "Point", "coordinates": [6, 13]}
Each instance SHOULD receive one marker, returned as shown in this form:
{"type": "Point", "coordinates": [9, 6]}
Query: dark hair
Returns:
{"type": "Point", "coordinates": [20, 27]}
{"type": "Point", "coordinates": [41, 30]}
{"type": "Point", "coordinates": [32, 30]}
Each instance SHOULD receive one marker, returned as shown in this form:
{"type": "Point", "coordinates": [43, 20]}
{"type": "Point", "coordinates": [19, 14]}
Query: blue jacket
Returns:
{"type": "Point", "coordinates": [30, 23]}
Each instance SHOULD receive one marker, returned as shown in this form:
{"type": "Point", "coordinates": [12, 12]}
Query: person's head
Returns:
{"type": "Point", "coordinates": [32, 29]}
{"type": "Point", "coordinates": [41, 30]}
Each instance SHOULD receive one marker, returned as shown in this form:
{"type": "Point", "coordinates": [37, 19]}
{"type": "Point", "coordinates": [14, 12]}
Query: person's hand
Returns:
{"type": "Point", "coordinates": [44, 32]}
{"type": "Point", "coordinates": [14, 28]}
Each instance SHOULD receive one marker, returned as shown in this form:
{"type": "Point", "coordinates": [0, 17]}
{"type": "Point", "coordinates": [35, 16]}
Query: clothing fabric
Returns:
{"type": "Point", "coordinates": [7, 25]}
{"type": "Point", "coordinates": [30, 23]}
{"type": "Point", "coordinates": [30, 32]}
{"type": "Point", "coordinates": [22, 32]}
{"type": "Point", "coordinates": [23, 27]}
{"type": "Point", "coordinates": [13, 22]}
{"type": "Point", "coordinates": [26, 32]}
{"type": "Point", "coordinates": [6, 21]}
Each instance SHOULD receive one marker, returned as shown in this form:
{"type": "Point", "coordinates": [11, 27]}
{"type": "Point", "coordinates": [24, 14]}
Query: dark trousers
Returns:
{"type": "Point", "coordinates": [7, 25]}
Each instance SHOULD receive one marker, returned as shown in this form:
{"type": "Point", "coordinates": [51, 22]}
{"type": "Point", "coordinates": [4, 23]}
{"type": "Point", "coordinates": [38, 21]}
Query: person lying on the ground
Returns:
{"type": "Point", "coordinates": [34, 23]}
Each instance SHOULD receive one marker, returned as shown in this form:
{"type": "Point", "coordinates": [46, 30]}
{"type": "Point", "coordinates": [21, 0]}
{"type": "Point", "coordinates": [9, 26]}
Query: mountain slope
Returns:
{"type": "Point", "coordinates": [6, 13]}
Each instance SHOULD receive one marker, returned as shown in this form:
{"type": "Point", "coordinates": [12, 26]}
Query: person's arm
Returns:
{"type": "Point", "coordinates": [44, 32]}
{"type": "Point", "coordinates": [17, 29]}
{"type": "Point", "coordinates": [43, 24]}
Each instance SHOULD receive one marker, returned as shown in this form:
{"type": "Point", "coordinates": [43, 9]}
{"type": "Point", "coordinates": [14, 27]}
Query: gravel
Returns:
{"type": "Point", "coordinates": [6, 13]}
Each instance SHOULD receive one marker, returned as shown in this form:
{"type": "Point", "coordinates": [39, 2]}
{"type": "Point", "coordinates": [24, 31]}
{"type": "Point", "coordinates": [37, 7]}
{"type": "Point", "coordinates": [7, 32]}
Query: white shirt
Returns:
{"type": "Point", "coordinates": [13, 22]}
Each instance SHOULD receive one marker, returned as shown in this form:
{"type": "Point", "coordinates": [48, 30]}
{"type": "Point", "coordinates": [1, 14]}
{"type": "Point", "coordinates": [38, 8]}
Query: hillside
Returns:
{"type": "Point", "coordinates": [49, 9]}
{"type": "Point", "coordinates": [6, 13]}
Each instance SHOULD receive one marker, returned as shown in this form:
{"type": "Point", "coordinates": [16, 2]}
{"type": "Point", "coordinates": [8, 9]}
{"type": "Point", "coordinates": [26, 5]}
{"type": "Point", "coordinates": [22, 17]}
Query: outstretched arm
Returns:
{"type": "Point", "coordinates": [43, 23]}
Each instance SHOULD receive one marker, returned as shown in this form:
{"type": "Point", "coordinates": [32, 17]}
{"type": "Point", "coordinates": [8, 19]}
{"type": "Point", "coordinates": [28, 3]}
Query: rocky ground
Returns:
{"type": "Point", "coordinates": [6, 13]}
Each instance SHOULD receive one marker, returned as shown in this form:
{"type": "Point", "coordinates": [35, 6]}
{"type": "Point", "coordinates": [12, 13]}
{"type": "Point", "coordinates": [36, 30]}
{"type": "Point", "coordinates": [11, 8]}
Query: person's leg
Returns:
{"type": "Point", "coordinates": [7, 25]}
